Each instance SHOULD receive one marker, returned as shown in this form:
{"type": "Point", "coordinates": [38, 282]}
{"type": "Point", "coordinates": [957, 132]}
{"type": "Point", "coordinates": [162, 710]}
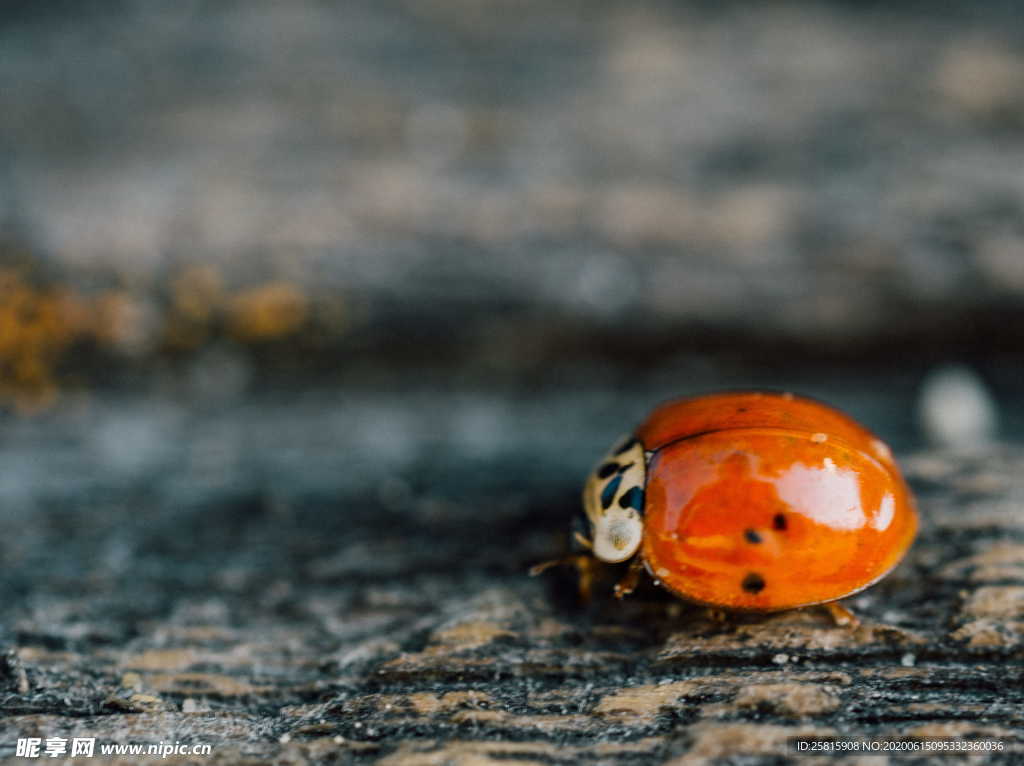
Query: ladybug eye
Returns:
{"type": "Point", "coordinates": [634, 498]}
{"type": "Point", "coordinates": [609, 491]}
{"type": "Point", "coordinates": [614, 501]}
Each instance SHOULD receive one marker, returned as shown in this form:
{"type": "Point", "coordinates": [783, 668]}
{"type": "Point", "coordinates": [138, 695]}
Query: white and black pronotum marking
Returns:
{"type": "Point", "coordinates": [613, 499]}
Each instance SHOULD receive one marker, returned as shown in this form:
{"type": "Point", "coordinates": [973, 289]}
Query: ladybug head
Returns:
{"type": "Point", "coordinates": [613, 499]}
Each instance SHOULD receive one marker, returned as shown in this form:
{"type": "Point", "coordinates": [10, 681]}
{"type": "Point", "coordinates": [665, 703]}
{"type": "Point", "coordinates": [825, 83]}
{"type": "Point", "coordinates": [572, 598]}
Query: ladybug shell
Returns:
{"type": "Point", "coordinates": [769, 501]}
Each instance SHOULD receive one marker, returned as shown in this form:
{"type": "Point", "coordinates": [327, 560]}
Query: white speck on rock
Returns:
{"type": "Point", "coordinates": [955, 408]}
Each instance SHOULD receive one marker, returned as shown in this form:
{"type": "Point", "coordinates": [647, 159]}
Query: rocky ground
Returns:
{"type": "Point", "coordinates": [254, 583]}
{"type": "Point", "coordinates": [539, 179]}
{"type": "Point", "coordinates": [313, 317]}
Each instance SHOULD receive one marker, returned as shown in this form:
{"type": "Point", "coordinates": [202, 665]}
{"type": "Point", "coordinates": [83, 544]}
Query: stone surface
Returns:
{"type": "Point", "coordinates": [321, 313]}
{"type": "Point", "coordinates": [504, 189]}
{"type": "Point", "coordinates": [312, 618]}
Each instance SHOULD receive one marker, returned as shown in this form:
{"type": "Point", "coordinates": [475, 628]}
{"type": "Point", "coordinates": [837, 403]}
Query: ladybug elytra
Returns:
{"type": "Point", "coordinates": [750, 501]}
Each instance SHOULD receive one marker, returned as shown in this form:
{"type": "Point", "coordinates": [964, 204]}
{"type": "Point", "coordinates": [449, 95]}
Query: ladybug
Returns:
{"type": "Point", "coordinates": [748, 501]}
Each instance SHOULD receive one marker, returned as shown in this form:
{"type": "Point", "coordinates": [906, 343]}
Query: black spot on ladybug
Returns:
{"type": "Point", "coordinates": [753, 583]}
{"type": "Point", "coordinates": [779, 522]}
{"type": "Point", "coordinates": [608, 493]}
{"type": "Point", "coordinates": [742, 409]}
{"type": "Point", "coordinates": [629, 443]}
{"type": "Point", "coordinates": [632, 499]}
{"type": "Point", "coordinates": [752, 536]}
{"type": "Point", "coordinates": [607, 470]}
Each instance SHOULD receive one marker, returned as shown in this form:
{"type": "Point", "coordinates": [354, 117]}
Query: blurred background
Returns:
{"type": "Point", "coordinates": [287, 288]}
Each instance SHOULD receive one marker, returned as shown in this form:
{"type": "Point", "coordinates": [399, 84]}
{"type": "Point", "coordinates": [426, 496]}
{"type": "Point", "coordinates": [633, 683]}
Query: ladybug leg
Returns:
{"type": "Point", "coordinates": [571, 559]}
{"type": "Point", "coordinates": [630, 579]}
{"type": "Point", "coordinates": [581, 558]}
{"type": "Point", "coordinates": [544, 566]}
{"type": "Point", "coordinates": [842, 616]}
{"type": "Point", "coordinates": [716, 615]}
{"type": "Point", "coordinates": [585, 565]}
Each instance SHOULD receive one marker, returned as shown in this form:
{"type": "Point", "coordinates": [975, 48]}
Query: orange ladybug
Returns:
{"type": "Point", "coordinates": [749, 501]}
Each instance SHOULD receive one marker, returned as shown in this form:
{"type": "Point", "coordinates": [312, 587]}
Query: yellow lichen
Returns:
{"type": "Point", "coordinates": [36, 325]}
{"type": "Point", "coordinates": [267, 312]}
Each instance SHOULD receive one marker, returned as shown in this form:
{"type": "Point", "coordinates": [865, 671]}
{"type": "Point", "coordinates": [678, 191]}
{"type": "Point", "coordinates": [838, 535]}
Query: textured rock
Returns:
{"type": "Point", "coordinates": [326, 621]}
{"type": "Point", "coordinates": [328, 309]}
{"type": "Point", "coordinates": [678, 178]}
{"type": "Point", "coordinates": [788, 699]}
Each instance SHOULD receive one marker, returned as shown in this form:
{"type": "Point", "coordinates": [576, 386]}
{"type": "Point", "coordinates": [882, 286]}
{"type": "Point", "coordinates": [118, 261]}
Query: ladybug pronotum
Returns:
{"type": "Point", "coordinates": [749, 501]}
